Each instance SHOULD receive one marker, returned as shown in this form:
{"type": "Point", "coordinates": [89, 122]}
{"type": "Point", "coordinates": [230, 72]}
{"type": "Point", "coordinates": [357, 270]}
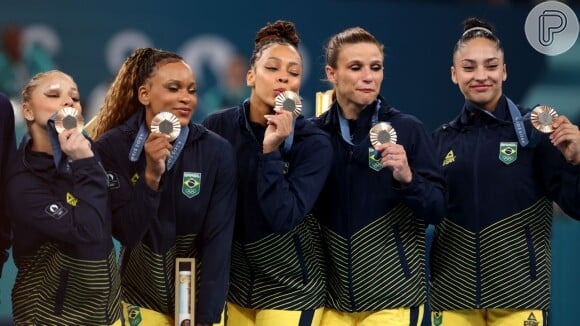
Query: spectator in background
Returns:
{"type": "Point", "coordinates": [230, 91]}
{"type": "Point", "coordinates": [17, 63]}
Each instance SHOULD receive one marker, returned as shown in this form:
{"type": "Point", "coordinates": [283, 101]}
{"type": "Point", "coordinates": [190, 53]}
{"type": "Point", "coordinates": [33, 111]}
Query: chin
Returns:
{"type": "Point", "coordinates": [184, 121]}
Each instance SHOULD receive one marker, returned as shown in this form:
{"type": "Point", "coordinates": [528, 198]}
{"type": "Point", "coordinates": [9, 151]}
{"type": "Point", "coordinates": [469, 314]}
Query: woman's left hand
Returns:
{"type": "Point", "coordinates": [566, 137]}
{"type": "Point", "coordinates": [280, 126]}
{"type": "Point", "coordinates": [394, 157]}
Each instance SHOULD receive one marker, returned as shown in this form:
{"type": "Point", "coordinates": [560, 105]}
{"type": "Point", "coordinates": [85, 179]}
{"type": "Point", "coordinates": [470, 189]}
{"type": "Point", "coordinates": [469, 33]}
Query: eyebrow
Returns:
{"type": "Point", "coordinates": [474, 61]}
{"type": "Point", "coordinates": [280, 60]}
{"type": "Point", "coordinates": [170, 81]}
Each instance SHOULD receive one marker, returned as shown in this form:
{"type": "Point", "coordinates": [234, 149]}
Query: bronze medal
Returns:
{"type": "Point", "coordinates": [68, 118]}
{"type": "Point", "coordinates": [382, 133]}
{"type": "Point", "coordinates": [289, 101]}
{"type": "Point", "coordinates": [166, 123]}
{"type": "Point", "coordinates": [542, 118]}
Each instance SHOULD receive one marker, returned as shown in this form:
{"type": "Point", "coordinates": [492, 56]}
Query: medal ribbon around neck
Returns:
{"type": "Point", "coordinates": [345, 130]}
{"type": "Point", "coordinates": [142, 135]}
{"type": "Point", "coordinates": [66, 118]}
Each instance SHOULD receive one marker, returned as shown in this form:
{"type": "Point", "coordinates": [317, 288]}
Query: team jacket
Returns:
{"type": "Point", "coordinates": [7, 150]}
{"type": "Point", "coordinates": [493, 248]}
{"type": "Point", "coordinates": [375, 229]}
{"type": "Point", "coordinates": [276, 260]}
{"type": "Point", "coordinates": [191, 215]}
{"type": "Point", "coordinates": [63, 248]}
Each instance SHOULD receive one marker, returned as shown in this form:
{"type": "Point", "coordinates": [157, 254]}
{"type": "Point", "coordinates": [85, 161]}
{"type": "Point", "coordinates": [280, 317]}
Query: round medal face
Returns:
{"type": "Point", "coordinates": [166, 123]}
{"type": "Point", "coordinates": [382, 133]}
{"type": "Point", "coordinates": [542, 118]}
{"type": "Point", "coordinates": [68, 118]}
{"type": "Point", "coordinates": [289, 101]}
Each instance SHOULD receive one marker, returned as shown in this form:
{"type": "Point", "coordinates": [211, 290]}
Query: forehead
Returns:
{"type": "Point", "coordinates": [178, 70]}
{"type": "Point", "coordinates": [478, 48]}
{"type": "Point", "coordinates": [56, 81]}
{"type": "Point", "coordinates": [281, 51]}
{"type": "Point", "coordinates": [363, 51]}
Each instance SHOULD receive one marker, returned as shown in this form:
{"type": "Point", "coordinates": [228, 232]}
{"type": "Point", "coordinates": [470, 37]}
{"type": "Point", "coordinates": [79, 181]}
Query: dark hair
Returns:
{"type": "Point", "coordinates": [122, 99]}
{"type": "Point", "coordinates": [351, 35]}
{"type": "Point", "coordinates": [280, 32]}
{"type": "Point", "coordinates": [474, 28]}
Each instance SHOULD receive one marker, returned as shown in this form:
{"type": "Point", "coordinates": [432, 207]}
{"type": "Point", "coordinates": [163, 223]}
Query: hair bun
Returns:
{"type": "Point", "coordinates": [473, 22]}
{"type": "Point", "coordinates": [281, 29]}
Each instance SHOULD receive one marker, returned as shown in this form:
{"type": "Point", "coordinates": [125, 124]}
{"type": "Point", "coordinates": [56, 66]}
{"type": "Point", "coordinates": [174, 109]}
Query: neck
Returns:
{"type": "Point", "coordinates": [350, 111]}
{"type": "Point", "coordinates": [39, 140]}
{"type": "Point", "coordinates": [257, 112]}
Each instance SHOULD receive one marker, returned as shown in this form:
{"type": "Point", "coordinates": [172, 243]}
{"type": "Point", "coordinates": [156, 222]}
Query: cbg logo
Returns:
{"type": "Point", "coordinates": [551, 28]}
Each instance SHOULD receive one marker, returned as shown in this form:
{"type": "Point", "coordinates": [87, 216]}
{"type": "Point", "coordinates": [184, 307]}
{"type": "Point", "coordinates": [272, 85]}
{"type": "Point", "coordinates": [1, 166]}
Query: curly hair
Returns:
{"type": "Point", "coordinates": [122, 99]}
{"type": "Point", "coordinates": [279, 32]}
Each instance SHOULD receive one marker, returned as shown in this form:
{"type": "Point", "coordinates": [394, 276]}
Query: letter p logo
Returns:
{"type": "Point", "coordinates": [551, 28]}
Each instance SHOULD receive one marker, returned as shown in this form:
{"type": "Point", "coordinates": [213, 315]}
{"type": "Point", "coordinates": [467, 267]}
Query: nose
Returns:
{"type": "Point", "coordinates": [68, 101]}
{"type": "Point", "coordinates": [480, 74]}
{"type": "Point", "coordinates": [283, 79]}
{"type": "Point", "coordinates": [367, 75]}
{"type": "Point", "coordinates": [187, 97]}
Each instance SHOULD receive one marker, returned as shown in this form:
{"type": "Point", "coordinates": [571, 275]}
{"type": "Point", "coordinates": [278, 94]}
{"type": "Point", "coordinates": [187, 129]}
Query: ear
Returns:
{"type": "Point", "coordinates": [453, 75]}
{"type": "Point", "coordinates": [27, 112]}
{"type": "Point", "coordinates": [330, 74]}
{"type": "Point", "coordinates": [143, 94]}
{"type": "Point", "coordinates": [504, 72]}
{"type": "Point", "coordinates": [250, 78]}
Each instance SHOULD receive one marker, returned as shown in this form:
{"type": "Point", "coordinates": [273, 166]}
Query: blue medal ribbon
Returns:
{"type": "Point", "coordinates": [518, 122]}
{"type": "Point", "coordinates": [345, 130]}
{"type": "Point", "coordinates": [287, 142]}
{"type": "Point", "coordinates": [60, 159]}
{"type": "Point", "coordinates": [141, 138]}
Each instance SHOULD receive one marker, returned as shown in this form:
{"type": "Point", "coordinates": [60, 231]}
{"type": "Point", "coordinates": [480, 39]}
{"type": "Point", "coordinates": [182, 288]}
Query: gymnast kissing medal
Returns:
{"type": "Point", "coordinates": [68, 118]}
{"type": "Point", "coordinates": [542, 118]}
{"type": "Point", "coordinates": [289, 101]}
{"type": "Point", "coordinates": [166, 123]}
{"type": "Point", "coordinates": [382, 133]}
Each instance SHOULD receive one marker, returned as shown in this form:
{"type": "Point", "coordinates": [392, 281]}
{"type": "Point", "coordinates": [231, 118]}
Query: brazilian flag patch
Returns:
{"type": "Point", "coordinates": [508, 152]}
{"type": "Point", "coordinates": [191, 184]}
{"type": "Point", "coordinates": [134, 315]}
{"type": "Point", "coordinates": [374, 163]}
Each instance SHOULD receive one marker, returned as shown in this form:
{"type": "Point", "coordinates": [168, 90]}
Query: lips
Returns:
{"type": "Point", "coordinates": [182, 112]}
{"type": "Point", "coordinates": [480, 88]}
{"type": "Point", "coordinates": [279, 90]}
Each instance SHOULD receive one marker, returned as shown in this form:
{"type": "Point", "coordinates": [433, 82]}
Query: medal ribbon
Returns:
{"type": "Point", "coordinates": [517, 119]}
{"type": "Point", "coordinates": [345, 130]}
{"type": "Point", "coordinates": [142, 135]}
{"type": "Point", "coordinates": [60, 159]}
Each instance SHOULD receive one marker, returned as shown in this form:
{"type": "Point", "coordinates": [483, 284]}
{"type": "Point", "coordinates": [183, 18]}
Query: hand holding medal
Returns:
{"type": "Point", "coordinates": [383, 138]}
{"type": "Point", "coordinates": [166, 123]}
{"type": "Point", "coordinates": [69, 124]}
{"type": "Point", "coordinates": [542, 118]}
{"type": "Point", "coordinates": [289, 101]}
{"type": "Point", "coordinates": [382, 133]}
{"type": "Point", "coordinates": [280, 126]}
{"type": "Point", "coordinates": [68, 118]}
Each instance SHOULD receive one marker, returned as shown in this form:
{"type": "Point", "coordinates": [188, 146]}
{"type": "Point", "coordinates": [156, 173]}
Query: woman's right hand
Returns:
{"type": "Point", "coordinates": [74, 144]}
{"type": "Point", "coordinates": [157, 150]}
